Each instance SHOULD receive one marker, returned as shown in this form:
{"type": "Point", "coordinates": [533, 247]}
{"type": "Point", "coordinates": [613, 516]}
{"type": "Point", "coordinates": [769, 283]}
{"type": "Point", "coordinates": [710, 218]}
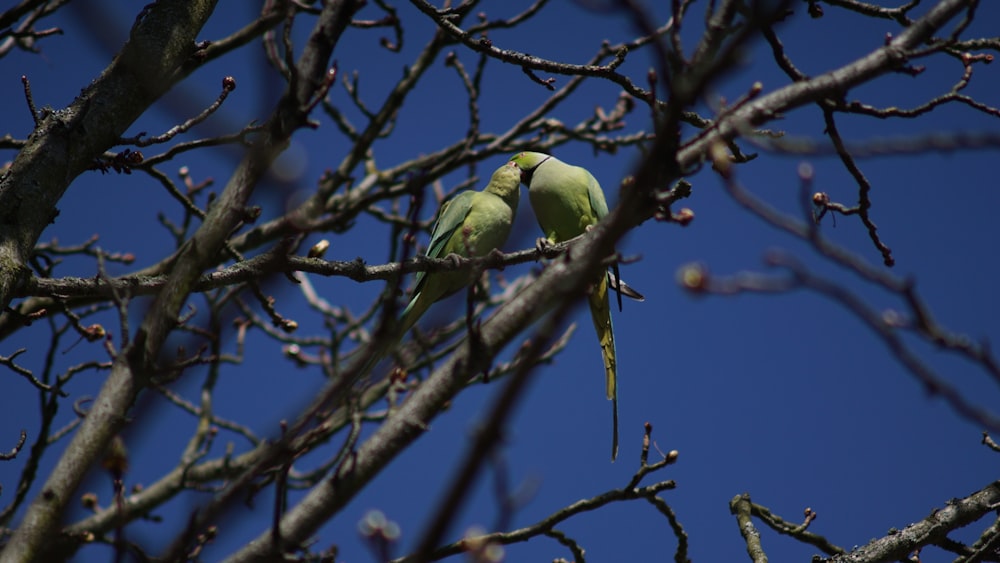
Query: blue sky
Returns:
{"type": "Point", "coordinates": [787, 397]}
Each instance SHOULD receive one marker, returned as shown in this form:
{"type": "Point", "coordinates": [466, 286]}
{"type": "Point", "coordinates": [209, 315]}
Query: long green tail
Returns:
{"type": "Point", "coordinates": [600, 311]}
{"type": "Point", "coordinates": [414, 310]}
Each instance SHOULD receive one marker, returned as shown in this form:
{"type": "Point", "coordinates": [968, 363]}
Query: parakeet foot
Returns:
{"type": "Point", "coordinates": [496, 254]}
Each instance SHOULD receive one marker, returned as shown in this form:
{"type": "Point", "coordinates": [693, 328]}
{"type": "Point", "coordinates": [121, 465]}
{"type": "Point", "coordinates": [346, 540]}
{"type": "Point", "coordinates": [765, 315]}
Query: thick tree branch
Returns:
{"type": "Point", "coordinates": [63, 145]}
{"type": "Point", "coordinates": [66, 142]}
{"type": "Point", "coordinates": [934, 529]}
{"type": "Point", "coordinates": [135, 365]}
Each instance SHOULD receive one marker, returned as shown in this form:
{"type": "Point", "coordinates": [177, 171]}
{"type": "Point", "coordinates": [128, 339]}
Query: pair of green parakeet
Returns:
{"type": "Point", "coordinates": [567, 200]}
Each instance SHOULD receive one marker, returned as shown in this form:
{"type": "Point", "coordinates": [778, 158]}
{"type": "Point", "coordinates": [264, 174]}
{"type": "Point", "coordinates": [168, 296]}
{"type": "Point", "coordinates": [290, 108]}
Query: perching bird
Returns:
{"type": "Point", "coordinates": [471, 224]}
{"type": "Point", "coordinates": [567, 200]}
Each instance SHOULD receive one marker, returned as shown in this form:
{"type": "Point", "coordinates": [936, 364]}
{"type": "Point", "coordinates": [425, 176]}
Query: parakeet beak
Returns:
{"type": "Point", "coordinates": [525, 176]}
{"type": "Point", "coordinates": [527, 172]}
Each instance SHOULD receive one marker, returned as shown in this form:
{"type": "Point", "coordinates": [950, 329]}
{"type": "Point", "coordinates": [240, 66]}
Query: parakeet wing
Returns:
{"type": "Point", "coordinates": [451, 218]}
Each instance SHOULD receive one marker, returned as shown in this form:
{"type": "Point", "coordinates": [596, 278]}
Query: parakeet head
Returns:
{"type": "Point", "coordinates": [528, 161]}
{"type": "Point", "coordinates": [505, 179]}
{"type": "Point", "coordinates": [509, 167]}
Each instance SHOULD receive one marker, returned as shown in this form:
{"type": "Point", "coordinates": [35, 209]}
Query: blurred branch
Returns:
{"type": "Point", "coordinates": [988, 441]}
{"type": "Point", "coordinates": [831, 106]}
{"type": "Point", "coordinates": [133, 367]}
{"type": "Point", "coordinates": [24, 35]}
{"type": "Point", "coordinates": [398, 406]}
{"type": "Point", "coordinates": [149, 64]}
{"type": "Point", "coordinates": [940, 142]}
{"type": "Point", "coordinates": [769, 106]}
{"type": "Point", "coordinates": [197, 472]}
{"type": "Point", "coordinates": [887, 325]}
{"type": "Point", "coordinates": [547, 525]}
{"type": "Point", "coordinates": [487, 438]}
{"type": "Point", "coordinates": [484, 45]}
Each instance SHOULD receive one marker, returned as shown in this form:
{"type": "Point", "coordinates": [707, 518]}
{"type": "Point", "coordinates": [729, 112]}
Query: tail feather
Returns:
{"type": "Point", "coordinates": [414, 310]}
{"type": "Point", "coordinates": [600, 312]}
{"type": "Point", "coordinates": [619, 285]}
{"type": "Point", "coordinates": [614, 426]}
{"type": "Point", "coordinates": [380, 350]}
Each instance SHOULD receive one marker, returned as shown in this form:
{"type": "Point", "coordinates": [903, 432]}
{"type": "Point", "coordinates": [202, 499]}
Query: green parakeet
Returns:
{"type": "Point", "coordinates": [567, 200]}
{"type": "Point", "coordinates": [470, 224]}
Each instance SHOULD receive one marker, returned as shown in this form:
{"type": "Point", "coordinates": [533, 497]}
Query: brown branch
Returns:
{"type": "Point", "coordinates": [797, 531]}
{"type": "Point", "coordinates": [6, 456]}
{"type": "Point", "coordinates": [547, 525]}
{"type": "Point", "coordinates": [272, 263]}
{"type": "Point", "coordinates": [740, 506]}
{"type": "Point", "coordinates": [133, 367]}
{"type": "Point", "coordinates": [931, 530]}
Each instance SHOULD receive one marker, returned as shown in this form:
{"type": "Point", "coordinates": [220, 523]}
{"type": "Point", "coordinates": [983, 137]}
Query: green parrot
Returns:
{"type": "Point", "coordinates": [470, 224]}
{"type": "Point", "coordinates": [567, 201]}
